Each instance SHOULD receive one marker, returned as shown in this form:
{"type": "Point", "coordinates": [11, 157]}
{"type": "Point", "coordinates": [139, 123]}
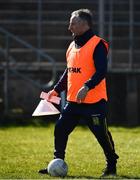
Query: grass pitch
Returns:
{"type": "Point", "coordinates": [25, 150]}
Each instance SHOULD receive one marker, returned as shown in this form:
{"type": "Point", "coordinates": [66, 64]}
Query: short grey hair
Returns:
{"type": "Point", "coordinates": [84, 14]}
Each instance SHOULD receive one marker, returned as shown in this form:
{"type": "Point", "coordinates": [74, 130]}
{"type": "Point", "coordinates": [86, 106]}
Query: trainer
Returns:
{"type": "Point", "coordinates": [85, 83]}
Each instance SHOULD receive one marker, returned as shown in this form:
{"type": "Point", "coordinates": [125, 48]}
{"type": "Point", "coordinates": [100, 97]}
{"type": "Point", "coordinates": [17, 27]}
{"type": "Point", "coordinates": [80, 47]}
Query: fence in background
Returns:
{"type": "Point", "coordinates": [42, 24]}
{"type": "Point", "coordinates": [11, 65]}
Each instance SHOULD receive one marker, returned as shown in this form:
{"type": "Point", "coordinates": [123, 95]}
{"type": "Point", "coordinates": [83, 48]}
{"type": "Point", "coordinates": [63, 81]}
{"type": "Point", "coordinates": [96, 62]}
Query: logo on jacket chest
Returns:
{"type": "Point", "coordinates": [74, 70]}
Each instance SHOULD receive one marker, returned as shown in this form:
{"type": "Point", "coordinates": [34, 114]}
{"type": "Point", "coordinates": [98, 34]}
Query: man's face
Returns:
{"type": "Point", "coordinates": [77, 26]}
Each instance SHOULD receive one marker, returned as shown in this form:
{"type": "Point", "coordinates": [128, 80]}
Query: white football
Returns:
{"type": "Point", "coordinates": [57, 168]}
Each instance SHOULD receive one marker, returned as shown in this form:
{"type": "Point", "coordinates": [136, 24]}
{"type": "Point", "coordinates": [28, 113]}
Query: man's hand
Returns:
{"type": "Point", "coordinates": [52, 93]}
{"type": "Point", "coordinates": [82, 94]}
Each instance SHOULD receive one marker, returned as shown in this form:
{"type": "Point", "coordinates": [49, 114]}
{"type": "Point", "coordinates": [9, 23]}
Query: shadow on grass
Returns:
{"type": "Point", "coordinates": [107, 177]}
{"type": "Point", "coordinates": [28, 121]}
{"type": "Point", "coordinates": [44, 121]}
{"type": "Point", "coordinates": [129, 177]}
{"type": "Point", "coordinates": [81, 177]}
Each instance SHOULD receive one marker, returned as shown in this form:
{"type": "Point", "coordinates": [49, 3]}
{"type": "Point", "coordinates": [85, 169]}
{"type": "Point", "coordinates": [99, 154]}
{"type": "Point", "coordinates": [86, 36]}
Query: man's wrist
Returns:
{"type": "Point", "coordinates": [86, 87]}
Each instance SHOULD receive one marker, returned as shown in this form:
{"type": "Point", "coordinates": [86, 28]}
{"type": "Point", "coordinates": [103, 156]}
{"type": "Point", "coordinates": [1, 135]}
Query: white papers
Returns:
{"type": "Point", "coordinates": [45, 108]}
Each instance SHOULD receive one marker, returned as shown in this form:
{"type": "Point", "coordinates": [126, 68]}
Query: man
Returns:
{"type": "Point", "coordinates": [84, 80]}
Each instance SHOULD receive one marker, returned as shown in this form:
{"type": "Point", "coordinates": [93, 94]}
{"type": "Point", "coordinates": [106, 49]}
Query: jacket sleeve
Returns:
{"type": "Point", "coordinates": [100, 61]}
{"type": "Point", "coordinates": [62, 83]}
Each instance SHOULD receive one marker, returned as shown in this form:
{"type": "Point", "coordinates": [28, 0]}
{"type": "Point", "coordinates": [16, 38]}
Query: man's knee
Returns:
{"type": "Point", "coordinates": [59, 129]}
{"type": "Point", "coordinates": [65, 125]}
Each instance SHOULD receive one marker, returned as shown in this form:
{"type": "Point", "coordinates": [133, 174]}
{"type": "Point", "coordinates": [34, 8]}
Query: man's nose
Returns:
{"type": "Point", "coordinates": [69, 27]}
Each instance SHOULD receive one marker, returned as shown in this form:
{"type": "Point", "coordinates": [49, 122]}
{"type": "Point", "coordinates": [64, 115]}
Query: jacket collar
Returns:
{"type": "Point", "coordinates": [82, 39]}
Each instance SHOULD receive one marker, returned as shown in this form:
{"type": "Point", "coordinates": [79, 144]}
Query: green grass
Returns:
{"type": "Point", "coordinates": [24, 150]}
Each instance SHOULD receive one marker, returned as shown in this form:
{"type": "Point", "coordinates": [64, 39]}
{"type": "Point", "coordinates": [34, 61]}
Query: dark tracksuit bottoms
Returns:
{"type": "Point", "coordinates": [95, 118]}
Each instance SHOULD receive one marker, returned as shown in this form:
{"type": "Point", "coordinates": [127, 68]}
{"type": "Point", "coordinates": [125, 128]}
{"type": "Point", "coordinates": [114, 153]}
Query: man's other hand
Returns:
{"type": "Point", "coordinates": [81, 95]}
